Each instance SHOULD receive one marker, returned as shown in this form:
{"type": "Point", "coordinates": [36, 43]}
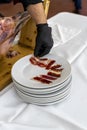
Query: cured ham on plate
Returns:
{"type": "Point", "coordinates": [29, 69]}
{"type": "Point", "coordinates": [42, 81]}
{"type": "Point", "coordinates": [54, 71]}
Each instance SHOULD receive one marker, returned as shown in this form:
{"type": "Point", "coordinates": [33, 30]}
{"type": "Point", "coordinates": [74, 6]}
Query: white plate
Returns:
{"type": "Point", "coordinates": [57, 92]}
{"type": "Point", "coordinates": [43, 91]}
{"type": "Point", "coordinates": [53, 102]}
{"type": "Point", "coordinates": [46, 89]}
{"type": "Point", "coordinates": [23, 72]}
{"type": "Point", "coordinates": [32, 99]}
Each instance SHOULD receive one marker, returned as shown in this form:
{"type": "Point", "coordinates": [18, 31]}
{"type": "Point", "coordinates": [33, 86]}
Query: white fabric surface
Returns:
{"type": "Point", "coordinates": [61, 34]}
{"type": "Point", "coordinates": [73, 47]}
{"type": "Point", "coordinates": [68, 115]}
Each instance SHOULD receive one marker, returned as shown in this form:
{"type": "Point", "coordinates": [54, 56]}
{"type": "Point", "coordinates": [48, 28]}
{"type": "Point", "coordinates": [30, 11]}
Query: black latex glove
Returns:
{"type": "Point", "coordinates": [44, 41]}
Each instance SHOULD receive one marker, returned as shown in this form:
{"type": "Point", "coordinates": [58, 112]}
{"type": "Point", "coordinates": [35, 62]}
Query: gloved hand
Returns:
{"type": "Point", "coordinates": [44, 41]}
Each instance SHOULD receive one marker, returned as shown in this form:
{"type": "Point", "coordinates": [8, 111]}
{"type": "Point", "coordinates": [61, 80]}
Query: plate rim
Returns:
{"type": "Point", "coordinates": [56, 84]}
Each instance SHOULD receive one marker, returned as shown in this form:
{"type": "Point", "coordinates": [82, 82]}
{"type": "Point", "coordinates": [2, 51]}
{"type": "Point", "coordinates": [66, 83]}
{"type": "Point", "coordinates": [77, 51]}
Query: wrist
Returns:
{"type": "Point", "coordinates": [41, 26]}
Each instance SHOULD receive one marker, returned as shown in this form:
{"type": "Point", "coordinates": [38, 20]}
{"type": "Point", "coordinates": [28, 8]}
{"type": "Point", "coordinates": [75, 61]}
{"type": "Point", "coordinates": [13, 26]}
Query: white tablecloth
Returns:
{"type": "Point", "coordinates": [70, 114]}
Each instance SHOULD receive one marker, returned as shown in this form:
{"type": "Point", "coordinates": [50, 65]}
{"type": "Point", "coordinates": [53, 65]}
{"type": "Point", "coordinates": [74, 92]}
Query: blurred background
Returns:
{"type": "Point", "coordinates": [56, 6]}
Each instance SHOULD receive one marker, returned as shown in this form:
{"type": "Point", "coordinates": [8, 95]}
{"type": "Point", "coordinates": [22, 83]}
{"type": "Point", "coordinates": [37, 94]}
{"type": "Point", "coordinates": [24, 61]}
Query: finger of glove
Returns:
{"type": "Point", "coordinates": [37, 49]}
{"type": "Point", "coordinates": [43, 52]}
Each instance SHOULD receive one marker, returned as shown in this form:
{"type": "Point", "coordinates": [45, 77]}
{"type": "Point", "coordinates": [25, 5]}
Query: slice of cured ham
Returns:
{"type": "Point", "coordinates": [42, 80]}
{"type": "Point", "coordinates": [48, 77]}
{"type": "Point", "coordinates": [53, 70]}
{"type": "Point", "coordinates": [38, 62]}
{"type": "Point", "coordinates": [11, 54]}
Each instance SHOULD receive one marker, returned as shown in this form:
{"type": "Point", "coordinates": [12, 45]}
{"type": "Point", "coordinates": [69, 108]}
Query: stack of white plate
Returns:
{"type": "Point", "coordinates": [38, 93]}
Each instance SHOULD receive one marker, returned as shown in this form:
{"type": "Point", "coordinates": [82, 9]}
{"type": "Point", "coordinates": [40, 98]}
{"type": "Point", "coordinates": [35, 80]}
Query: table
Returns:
{"type": "Point", "coordinates": [68, 115]}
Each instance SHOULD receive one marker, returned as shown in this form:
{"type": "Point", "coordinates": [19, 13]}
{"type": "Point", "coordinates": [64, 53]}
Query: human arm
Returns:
{"type": "Point", "coordinates": [44, 40]}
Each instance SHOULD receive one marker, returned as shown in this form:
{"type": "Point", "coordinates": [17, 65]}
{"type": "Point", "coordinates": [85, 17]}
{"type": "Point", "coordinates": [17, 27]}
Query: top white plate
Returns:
{"type": "Point", "coordinates": [23, 72]}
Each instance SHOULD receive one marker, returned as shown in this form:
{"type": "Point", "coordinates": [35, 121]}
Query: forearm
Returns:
{"type": "Point", "coordinates": [35, 8]}
{"type": "Point", "coordinates": [37, 13]}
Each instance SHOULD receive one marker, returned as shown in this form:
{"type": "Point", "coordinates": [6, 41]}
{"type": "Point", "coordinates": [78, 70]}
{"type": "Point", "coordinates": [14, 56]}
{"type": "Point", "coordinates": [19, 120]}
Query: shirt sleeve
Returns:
{"type": "Point", "coordinates": [28, 2]}
{"type": "Point", "coordinates": [4, 1]}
